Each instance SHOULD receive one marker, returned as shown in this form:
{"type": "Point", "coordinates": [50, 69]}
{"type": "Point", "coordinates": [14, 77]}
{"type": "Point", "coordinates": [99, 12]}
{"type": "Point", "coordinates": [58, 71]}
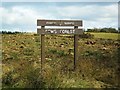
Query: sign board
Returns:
{"type": "Point", "coordinates": [60, 31]}
{"type": "Point", "coordinates": [43, 31]}
{"type": "Point", "coordinates": [59, 22]}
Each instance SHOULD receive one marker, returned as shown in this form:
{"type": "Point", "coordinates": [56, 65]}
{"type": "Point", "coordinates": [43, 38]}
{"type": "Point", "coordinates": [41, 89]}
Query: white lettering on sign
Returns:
{"type": "Point", "coordinates": [50, 22]}
{"type": "Point", "coordinates": [68, 22]}
{"type": "Point", "coordinates": [60, 23]}
{"type": "Point", "coordinates": [62, 31]}
{"type": "Point", "coordinates": [51, 31]}
{"type": "Point", "coordinates": [67, 31]}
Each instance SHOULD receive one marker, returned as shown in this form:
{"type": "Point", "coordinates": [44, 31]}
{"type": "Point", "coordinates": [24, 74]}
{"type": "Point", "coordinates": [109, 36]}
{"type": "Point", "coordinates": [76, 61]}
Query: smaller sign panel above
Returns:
{"type": "Point", "coordinates": [60, 31]}
{"type": "Point", "coordinates": [59, 22]}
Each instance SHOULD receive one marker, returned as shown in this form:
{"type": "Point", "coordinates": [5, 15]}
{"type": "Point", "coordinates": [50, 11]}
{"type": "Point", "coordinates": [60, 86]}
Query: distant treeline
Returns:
{"type": "Point", "coordinates": [107, 30]}
{"type": "Point", "coordinates": [9, 32]}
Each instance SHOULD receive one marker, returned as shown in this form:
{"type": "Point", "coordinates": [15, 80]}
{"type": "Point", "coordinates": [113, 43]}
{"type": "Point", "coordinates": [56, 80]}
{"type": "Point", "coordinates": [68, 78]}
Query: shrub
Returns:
{"type": "Point", "coordinates": [52, 51]}
{"type": "Point", "coordinates": [36, 34]}
{"type": "Point", "coordinates": [87, 35]}
{"type": "Point", "coordinates": [61, 53]}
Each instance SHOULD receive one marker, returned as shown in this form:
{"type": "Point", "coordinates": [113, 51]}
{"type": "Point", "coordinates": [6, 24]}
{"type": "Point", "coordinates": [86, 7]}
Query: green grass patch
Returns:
{"type": "Point", "coordinates": [114, 36]}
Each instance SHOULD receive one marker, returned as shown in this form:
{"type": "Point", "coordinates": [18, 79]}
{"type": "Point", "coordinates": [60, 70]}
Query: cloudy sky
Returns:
{"type": "Point", "coordinates": [22, 16]}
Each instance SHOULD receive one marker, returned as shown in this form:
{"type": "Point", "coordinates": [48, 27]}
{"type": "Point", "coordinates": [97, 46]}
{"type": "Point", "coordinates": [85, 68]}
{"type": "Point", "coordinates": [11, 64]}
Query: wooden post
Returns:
{"type": "Point", "coordinates": [44, 31]}
{"type": "Point", "coordinates": [75, 48]}
{"type": "Point", "coordinates": [42, 46]}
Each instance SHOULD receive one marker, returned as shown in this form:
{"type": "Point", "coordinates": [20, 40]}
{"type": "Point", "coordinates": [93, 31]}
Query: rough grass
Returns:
{"type": "Point", "coordinates": [97, 65]}
{"type": "Point", "coordinates": [114, 36]}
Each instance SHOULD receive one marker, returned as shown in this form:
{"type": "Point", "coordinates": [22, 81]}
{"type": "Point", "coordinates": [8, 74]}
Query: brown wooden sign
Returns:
{"type": "Point", "coordinates": [42, 31]}
{"type": "Point", "coordinates": [60, 31]}
{"type": "Point", "coordinates": [59, 23]}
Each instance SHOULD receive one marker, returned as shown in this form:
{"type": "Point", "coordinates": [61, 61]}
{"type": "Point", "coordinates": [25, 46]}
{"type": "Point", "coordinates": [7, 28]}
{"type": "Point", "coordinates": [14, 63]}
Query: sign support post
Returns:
{"type": "Point", "coordinates": [42, 46]}
{"type": "Point", "coordinates": [75, 47]}
{"type": "Point", "coordinates": [45, 31]}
